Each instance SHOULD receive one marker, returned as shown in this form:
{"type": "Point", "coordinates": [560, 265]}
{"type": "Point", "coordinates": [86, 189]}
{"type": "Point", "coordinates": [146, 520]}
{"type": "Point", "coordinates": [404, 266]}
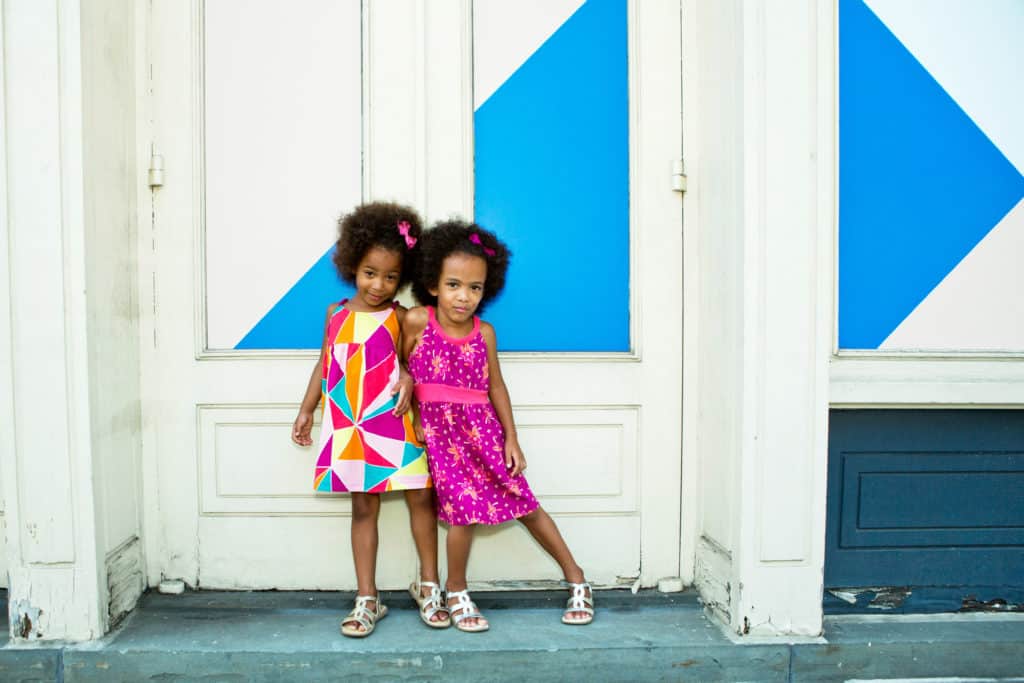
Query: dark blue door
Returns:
{"type": "Point", "coordinates": [928, 504]}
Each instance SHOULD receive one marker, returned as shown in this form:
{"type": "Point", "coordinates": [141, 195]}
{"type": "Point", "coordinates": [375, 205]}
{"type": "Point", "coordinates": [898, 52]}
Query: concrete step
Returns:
{"type": "Point", "coordinates": [276, 636]}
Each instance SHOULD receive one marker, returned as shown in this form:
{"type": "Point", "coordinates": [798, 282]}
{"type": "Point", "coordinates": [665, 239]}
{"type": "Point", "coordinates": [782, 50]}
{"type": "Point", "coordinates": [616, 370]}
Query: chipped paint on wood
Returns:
{"type": "Point", "coordinates": [25, 620]}
{"type": "Point", "coordinates": [125, 579]}
{"type": "Point", "coordinates": [712, 570]}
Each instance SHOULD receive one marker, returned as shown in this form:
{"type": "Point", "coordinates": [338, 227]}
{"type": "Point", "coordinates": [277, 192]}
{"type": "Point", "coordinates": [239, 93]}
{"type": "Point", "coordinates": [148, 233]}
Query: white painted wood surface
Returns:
{"type": "Point", "coordinates": [54, 531]}
{"type": "Point", "coordinates": [232, 505]}
{"type": "Point", "coordinates": [761, 217]}
{"type": "Point", "coordinates": [111, 182]}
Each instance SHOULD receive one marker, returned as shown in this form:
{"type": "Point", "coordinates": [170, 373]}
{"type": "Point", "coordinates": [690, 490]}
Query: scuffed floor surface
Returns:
{"type": "Point", "coordinates": [271, 636]}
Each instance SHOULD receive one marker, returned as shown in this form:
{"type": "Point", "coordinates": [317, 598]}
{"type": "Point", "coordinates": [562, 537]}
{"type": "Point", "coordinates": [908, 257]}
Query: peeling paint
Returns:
{"type": "Point", "coordinates": [889, 598]}
{"type": "Point", "coordinates": [849, 597]}
{"type": "Point", "coordinates": [881, 597]}
{"type": "Point", "coordinates": [972, 604]}
{"type": "Point", "coordinates": [25, 620]}
{"type": "Point", "coordinates": [125, 579]}
{"type": "Point", "coordinates": [713, 563]}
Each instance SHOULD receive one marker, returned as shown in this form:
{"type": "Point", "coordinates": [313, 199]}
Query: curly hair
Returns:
{"type": "Point", "coordinates": [377, 224]}
{"type": "Point", "coordinates": [458, 236]}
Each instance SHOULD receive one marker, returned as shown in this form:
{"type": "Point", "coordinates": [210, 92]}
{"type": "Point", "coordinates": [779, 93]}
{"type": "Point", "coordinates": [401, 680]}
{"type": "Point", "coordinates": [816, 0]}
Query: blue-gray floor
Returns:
{"type": "Point", "coordinates": [273, 636]}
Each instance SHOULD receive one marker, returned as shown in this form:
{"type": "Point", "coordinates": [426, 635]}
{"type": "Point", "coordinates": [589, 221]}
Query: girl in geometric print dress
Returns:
{"type": "Point", "coordinates": [367, 441]}
{"type": "Point", "coordinates": [465, 416]}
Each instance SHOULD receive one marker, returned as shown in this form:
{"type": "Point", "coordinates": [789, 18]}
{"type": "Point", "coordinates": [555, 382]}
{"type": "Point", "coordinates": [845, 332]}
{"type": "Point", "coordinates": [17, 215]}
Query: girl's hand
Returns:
{"type": "Point", "coordinates": [301, 428]}
{"type": "Point", "coordinates": [515, 461]}
{"type": "Point", "coordinates": [403, 387]}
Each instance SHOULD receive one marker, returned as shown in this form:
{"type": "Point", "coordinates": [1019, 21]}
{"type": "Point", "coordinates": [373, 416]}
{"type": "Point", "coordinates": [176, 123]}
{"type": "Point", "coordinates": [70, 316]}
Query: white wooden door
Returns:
{"type": "Point", "coordinates": [274, 117]}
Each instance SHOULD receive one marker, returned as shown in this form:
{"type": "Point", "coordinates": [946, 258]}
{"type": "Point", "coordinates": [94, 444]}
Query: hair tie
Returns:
{"type": "Point", "coordinates": [475, 239]}
{"type": "Point", "coordinates": [403, 230]}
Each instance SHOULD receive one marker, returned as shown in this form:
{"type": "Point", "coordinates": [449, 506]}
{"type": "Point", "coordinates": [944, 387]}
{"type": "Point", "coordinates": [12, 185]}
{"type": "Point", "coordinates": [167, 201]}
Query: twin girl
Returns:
{"type": "Point", "coordinates": [414, 401]}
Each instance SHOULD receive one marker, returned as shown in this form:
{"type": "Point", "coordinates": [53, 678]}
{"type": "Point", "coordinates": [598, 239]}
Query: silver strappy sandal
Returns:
{"type": "Point", "coordinates": [463, 609]}
{"type": "Point", "coordinates": [430, 604]}
{"type": "Point", "coordinates": [582, 600]}
{"type": "Point", "coordinates": [364, 616]}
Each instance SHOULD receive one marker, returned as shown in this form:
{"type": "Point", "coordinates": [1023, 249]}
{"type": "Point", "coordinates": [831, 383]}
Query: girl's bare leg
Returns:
{"type": "Point", "coordinates": [544, 531]}
{"type": "Point", "coordinates": [460, 539]}
{"type": "Point", "coordinates": [365, 511]}
{"type": "Point", "coordinates": [424, 534]}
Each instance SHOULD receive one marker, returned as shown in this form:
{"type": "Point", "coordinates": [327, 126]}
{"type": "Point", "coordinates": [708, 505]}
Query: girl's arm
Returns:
{"type": "Point", "coordinates": [515, 461]}
{"type": "Point", "coordinates": [413, 323]}
{"type": "Point", "coordinates": [304, 421]}
{"type": "Point", "coordinates": [403, 387]}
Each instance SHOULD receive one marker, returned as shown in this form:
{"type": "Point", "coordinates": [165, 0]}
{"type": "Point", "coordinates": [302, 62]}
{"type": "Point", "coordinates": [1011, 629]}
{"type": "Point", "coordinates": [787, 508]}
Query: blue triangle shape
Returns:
{"type": "Point", "coordinates": [340, 399]}
{"type": "Point", "coordinates": [558, 128]}
{"type": "Point", "coordinates": [325, 483]}
{"type": "Point", "coordinates": [410, 454]}
{"type": "Point", "coordinates": [919, 183]}
{"type": "Point", "coordinates": [296, 320]}
{"type": "Point", "coordinates": [374, 474]}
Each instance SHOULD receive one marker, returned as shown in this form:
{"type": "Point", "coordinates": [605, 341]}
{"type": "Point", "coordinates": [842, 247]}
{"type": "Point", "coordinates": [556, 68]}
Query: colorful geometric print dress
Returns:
{"type": "Point", "coordinates": [363, 447]}
{"type": "Point", "coordinates": [465, 441]}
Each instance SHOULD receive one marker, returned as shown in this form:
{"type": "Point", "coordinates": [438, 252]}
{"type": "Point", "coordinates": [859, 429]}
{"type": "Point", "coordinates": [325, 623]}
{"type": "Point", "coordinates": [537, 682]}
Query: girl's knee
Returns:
{"type": "Point", "coordinates": [531, 517]}
{"type": "Point", "coordinates": [461, 531]}
{"type": "Point", "coordinates": [418, 499]}
{"type": "Point", "coordinates": [364, 506]}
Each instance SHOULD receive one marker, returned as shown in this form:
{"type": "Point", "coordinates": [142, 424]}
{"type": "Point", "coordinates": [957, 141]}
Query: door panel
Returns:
{"type": "Point", "coordinates": [551, 132]}
{"type": "Point", "coordinates": [925, 498]}
{"type": "Point", "coordinates": [281, 154]}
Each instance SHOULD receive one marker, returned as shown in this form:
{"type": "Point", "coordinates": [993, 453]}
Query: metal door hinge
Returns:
{"type": "Point", "coordinates": [156, 170]}
{"type": "Point", "coordinates": [678, 176]}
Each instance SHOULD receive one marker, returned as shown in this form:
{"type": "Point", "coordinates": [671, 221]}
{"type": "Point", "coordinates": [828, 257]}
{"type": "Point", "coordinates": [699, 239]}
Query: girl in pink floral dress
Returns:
{"type": "Point", "coordinates": [465, 415]}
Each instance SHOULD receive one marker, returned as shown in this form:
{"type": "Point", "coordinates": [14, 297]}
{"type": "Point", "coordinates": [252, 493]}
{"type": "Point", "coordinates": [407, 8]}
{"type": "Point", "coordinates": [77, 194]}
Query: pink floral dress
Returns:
{"type": "Point", "coordinates": [465, 441]}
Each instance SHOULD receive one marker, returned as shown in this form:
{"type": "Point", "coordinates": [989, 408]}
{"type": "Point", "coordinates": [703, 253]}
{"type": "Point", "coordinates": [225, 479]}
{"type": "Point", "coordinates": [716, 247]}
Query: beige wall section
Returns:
{"type": "Point", "coordinates": [111, 181]}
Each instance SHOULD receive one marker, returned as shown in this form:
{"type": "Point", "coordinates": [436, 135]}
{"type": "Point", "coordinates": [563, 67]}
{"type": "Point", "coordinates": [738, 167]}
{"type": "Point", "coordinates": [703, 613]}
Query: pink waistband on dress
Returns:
{"type": "Point", "coordinates": [444, 393]}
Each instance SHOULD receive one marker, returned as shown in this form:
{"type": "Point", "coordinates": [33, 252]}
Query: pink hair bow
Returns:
{"type": "Point", "coordinates": [403, 229]}
{"type": "Point", "coordinates": [475, 239]}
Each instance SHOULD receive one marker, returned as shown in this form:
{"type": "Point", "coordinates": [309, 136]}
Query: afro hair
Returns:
{"type": "Point", "coordinates": [458, 236]}
{"type": "Point", "coordinates": [378, 224]}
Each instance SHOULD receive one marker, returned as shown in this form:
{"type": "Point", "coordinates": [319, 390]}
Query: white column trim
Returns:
{"type": "Point", "coordinates": [52, 595]}
{"type": "Point", "coordinates": [788, 192]}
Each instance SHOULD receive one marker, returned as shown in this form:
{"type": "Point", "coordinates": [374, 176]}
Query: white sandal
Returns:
{"type": "Point", "coordinates": [579, 602]}
{"type": "Point", "coordinates": [364, 616]}
{"type": "Point", "coordinates": [430, 604]}
{"type": "Point", "coordinates": [469, 611]}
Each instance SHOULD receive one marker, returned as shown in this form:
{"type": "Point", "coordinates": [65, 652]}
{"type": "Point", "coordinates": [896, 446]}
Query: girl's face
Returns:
{"type": "Point", "coordinates": [460, 288]}
{"type": "Point", "coordinates": [377, 277]}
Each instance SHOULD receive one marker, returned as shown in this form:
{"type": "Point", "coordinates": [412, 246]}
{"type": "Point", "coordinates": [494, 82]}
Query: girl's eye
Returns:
{"type": "Point", "coordinates": [477, 288]}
